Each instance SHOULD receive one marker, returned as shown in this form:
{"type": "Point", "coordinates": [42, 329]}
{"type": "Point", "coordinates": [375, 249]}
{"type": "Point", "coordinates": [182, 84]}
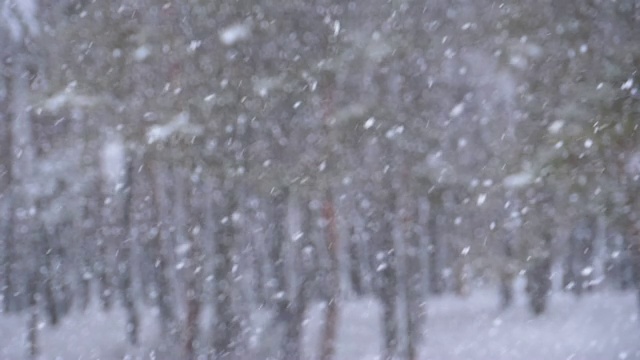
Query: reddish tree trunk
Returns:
{"type": "Point", "coordinates": [330, 330]}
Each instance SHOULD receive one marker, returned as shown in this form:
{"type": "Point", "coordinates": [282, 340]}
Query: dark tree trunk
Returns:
{"type": "Point", "coordinates": [580, 258]}
{"type": "Point", "coordinates": [330, 329]}
{"type": "Point", "coordinates": [90, 234]}
{"type": "Point", "coordinates": [194, 264]}
{"type": "Point", "coordinates": [568, 276]}
{"type": "Point", "coordinates": [5, 205]}
{"type": "Point", "coordinates": [129, 305]}
{"type": "Point", "coordinates": [538, 284]}
{"type": "Point", "coordinates": [32, 330]}
{"type": "Point", "coordinates": [388, 276]}
{"type": "Point", "coordinates": [84, 284]}
{"type": "Point", "coordinates": [388, 299]}
{"type": "Point", "coordinates": [124, 257]}
{"type": "Point", "coordinates": [415, 307]}
{"type": "Point", "coordinates": [436, 280]}
{"type": "Point", "coordinates": [288, 307]}
{"type": "Point", "coordinates": [290, 293]}
{"type": "Point", "coordinates": [355, 272]}
{"type": "Point", "coordinates": [539, 275]}
{"type": "Point", "coordinates": [102, 271]}
{"type": "Point", "coordinates": [193, 316]}
{"type": "Point", "coordinates": [260, 257]}
{"type": "Point", "coordinates": [8, 259]}
{"type": "Point", "coordinates": [506, 292]}
{"type": "Point", "coordinates": [360, 271]}
{"type": "Point", "coordinates": [293, 334]}
{"type": "Point", "coordinates": [21, 169]}
{"type": "Point", "coordinates": [507, 274]}
{"type": "Point", "coordinates": [157, 249]}
{"type": "Point", "coordinates": [161, 282]}
{"type": "Point", "coordinates": [226, 330]}
{"type": "Point", "coordinates": [49, 295]}
{"type": "Point", "coordinates": [634, 255]}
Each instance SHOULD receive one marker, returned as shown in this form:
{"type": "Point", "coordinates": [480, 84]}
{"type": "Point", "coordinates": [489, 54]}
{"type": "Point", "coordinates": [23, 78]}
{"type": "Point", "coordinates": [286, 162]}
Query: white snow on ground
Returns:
{"type": "Point", "coordinates": [358, 336]}
{"type": "Point", "coordinates": [93, 334]}
{"type": "Point", "coordinates": [600, 326]}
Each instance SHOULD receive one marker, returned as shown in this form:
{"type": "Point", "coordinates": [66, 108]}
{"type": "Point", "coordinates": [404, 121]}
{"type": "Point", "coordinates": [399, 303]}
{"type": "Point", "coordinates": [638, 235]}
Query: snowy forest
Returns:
{"type": "Point", "coordinates": [319, 179]}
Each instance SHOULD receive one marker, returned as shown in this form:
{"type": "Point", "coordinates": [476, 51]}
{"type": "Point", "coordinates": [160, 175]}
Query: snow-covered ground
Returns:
{"type": "Point", "coordinates": [600, 326]}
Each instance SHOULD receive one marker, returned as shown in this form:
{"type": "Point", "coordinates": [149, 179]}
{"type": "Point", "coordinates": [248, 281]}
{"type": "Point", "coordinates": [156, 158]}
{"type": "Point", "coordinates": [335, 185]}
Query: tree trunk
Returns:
{"type": "Point", "coordinates": [285, 297]}
{"type": "Point", "coordinates": [6, 226]}
{"type": "Point", "coordinates": [415, 305]}
{"type": "Point", "coordinates": [568, 276]}
{"type": "Point", "coordinates": [124, 257]}
{"type": "Point", "coordinates": [32, 330]}
{"type": "Point", "coordinates": [360, 271]}
{"type": "Point", "coordinates": [355, 271]}
{"type": "Point", "coordinates": [292, 274]}
{"type": "Point", "coordinates": [186, 200]}
{"type": "Point", "coordinates": [539, 275]}
{"type": "Point", "coordinates": [8, 259]}
{"type": "Point", "coordinates": [156, 244]}
{"type": "Point", "coordinates": [538, 283]}
{"type": "Point", "coordinates": [193, 316]}
{"type": "Point", "coordinates": [330, 330]}
{"type": "Point", "coordinates": [507, 274]}
{"type": "Point", "coordinates": [101, 268]}
{"type": "Point", "coordinates": [389, 322]}
{"type": "Point", "coordinates": [226, 330]}
{"type": "Point", "coordinates": [49, 296]}
{"type": "Point", "coordinates": [580, 259]}
{"type": "Point", "coordinates": [293, 334]}
{"type": "Point", "coordinates": [22, 157]}
{"type": "Point", "coordinates": [81, 257]}
{"type": "Point", "coordinates": [436, 281]}
{"type": "Point", "coordinates": [634, 255]}
{"type": "Point", "coordinates": [460, 275]}
{"type": "Point", "coordinates": [386, 267]}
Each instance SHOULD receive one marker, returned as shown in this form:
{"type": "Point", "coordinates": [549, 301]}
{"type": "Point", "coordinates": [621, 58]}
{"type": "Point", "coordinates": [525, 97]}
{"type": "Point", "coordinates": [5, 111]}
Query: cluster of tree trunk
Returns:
{"type": "Point", "coordinates": [286, 161]}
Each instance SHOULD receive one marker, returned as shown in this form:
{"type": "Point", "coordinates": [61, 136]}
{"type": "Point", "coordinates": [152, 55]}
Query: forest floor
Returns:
{"type": "Point", "coordinates": [599, 326]}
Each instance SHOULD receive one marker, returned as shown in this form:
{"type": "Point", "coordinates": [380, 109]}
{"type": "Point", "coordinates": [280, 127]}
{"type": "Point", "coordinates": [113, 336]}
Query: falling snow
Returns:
{"type": "Point", "coordinates": [319, 180]}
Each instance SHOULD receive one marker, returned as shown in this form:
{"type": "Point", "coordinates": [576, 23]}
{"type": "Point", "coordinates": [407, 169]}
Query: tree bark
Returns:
{"type": "Point", "coordinates": [226, 330]}
{"type": "Point", "coordinates": [7, 213]}
{"type": "Point", "coordinates": [388, 274]}
{"type": "Point", "coordinates": [22, 157]}
{"type": "Point", "coordinates": [507, 274]}
{"type": "Point", "coordinates": [330, 330]}
{"type": "Point", "coordinates": [124, 257]}
{"type": "Point", "coordinates": [32, 330]}
{"type": "Point", "coordinates": [415, 305]}
{"type": "Point", "coordinates": [436, 281]}
{"type": "Point", "coordinates": [101, 267]}
{"type": "Point", "coordinates": [186, 198]}
{"type": "Point", "coordinates": [156, 244]}
{"type": "Point", "coordinates": [288, 294]}
{"type": "Point", "coordinates": [539, 275]}
{"type": "Point", "coordinates": [49, 296]}
{"type": "Point", "coordinates": [8, 258]}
